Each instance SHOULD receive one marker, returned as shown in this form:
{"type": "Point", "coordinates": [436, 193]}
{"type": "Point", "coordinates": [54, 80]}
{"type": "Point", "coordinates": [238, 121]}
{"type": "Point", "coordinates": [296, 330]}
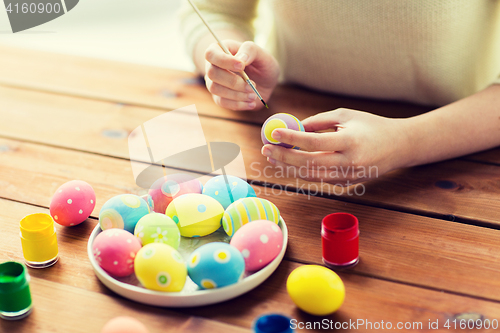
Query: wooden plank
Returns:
{"type": "Point", "coordinates": [460, 190]}
{"type": "Point", "coordinates": [490, 156]}
{"type": "Point", "coordinates": [393, 245]}
{"type": "Point", "coordinates": [367, 299]}
{"type": "Point", "coordinates": [162, 88]}
{"type": "Point", "coordinates": [89, 312]}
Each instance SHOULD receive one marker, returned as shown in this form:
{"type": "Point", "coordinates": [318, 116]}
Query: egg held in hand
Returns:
{"type": "Point", "coordinates": [279, 120]}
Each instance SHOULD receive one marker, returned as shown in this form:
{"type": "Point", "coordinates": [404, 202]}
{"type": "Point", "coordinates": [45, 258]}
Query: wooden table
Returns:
{"type": "Point", "coordinates": [429, 244]}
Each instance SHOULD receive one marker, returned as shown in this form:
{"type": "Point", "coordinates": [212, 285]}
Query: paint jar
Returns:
{"type": "Point", "coordinates": [15, 296]}
{"type": "Point", "coordinates": [272, 323]}
{"type": "Point", "coordinates": [39, 241]}
{"type": "Point", "coordinates": [340, 240]}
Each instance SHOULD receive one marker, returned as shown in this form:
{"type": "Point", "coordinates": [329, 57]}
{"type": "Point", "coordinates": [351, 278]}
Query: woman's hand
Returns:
{"type": "Point", "coordinates": [359, 146]}
{"type": "Point", "coordinates": [228, 89]}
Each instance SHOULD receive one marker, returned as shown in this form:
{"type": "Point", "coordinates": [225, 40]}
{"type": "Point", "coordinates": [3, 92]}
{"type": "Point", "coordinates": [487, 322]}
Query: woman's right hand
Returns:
{"type": "Point", "coordinates": [228, 88]}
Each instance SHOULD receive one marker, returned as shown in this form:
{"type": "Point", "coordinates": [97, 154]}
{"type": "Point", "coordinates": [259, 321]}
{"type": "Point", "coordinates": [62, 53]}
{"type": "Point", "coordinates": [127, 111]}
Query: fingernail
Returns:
{"type": "Point", "coordinates": [251, 105]}
{"type": "Point", "coordinates": [266, 152]}
{"type": "Point", "coordinates": [251, 96]}
{"type": "Point", "coordinates": [238, 66]}
{"type": "Point", "coordinates": [271, 160]}
{"type": "Point", "coordinates": [276, 135]}
{"type": "Point", "coordinates": [243, 57]}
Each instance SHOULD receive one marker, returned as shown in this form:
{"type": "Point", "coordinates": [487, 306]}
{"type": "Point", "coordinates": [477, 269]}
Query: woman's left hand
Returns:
{"type": "Point", "coordinates": [359, 146]}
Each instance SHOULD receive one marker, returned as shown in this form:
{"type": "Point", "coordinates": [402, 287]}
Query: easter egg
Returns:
{"type": "Point", "coordinates": [124, 325]}
{"type": "Point", "coordinates": [316, 289]}
{"type": "Point", "coordinates": [196, 215]}
{"type": "Point", "coordinates": [115, 250]}
{"type": "Point", "coordinates": [157, 228]}
{"type": "Point", "coordinates": [279, 120]}
{"type": "Point", "coordinates": [259, 242]}
{"type": "Point", "coordinates": [216, 265]}
{"type": "Point", "coordinates": [123, 212]}
{"type": "Point", "coordinates": [247, 210]}
{"type": "Point", "coordinates": [227, 192]}
{"type": "Point", "coordinates": [160, 267]}
{"type": "Point", "coordinates": [72, 203]}
{"type": "Point", "coordinates": [167, 188]}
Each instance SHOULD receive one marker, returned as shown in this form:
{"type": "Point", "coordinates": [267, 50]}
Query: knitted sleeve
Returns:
{"type": "Point", "coordinates": [220, 14]}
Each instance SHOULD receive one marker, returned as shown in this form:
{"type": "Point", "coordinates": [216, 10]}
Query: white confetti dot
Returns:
{"type": "Point", "coordinates": [276, 228]}
{"type": "Point", "coordinates": [80, 211]}
{"type": "Point", "coordinates": [91, 201]}
{"type": "Point", "coordinates": [70, 201]}
{"type": "Point", "coordinates": [115, 263]}
{"type": "Point", "coordinates": [71, 224]}
{"type": "Point", "coordinates": [245, 253]}
{"type": "Point", "coordinates": [264, 239]}
{"type": "Point", "coordinates": [279, 246]}
{"type": "Point", "coordinates": [129, 241]}
{"type": "Point", "coordinates": [60, 191]}
{"type": "Point", "coordinates": [56, 217]}
{"type": "Point", "coordinates": [260, 260]}
{"type": "Point", "coordinates": [77, 188]}
{"type": "Point", "coordinates": [235, 183]}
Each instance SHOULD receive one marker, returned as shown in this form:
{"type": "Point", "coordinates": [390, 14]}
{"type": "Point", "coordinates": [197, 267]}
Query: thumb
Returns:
{"type": "Point", "coordinates": [247, 53]}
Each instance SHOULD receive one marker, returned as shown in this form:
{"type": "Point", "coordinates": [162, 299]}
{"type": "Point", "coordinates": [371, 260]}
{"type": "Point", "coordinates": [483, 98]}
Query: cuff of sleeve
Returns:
{"type": "Point", "coordinates": [193, 29]}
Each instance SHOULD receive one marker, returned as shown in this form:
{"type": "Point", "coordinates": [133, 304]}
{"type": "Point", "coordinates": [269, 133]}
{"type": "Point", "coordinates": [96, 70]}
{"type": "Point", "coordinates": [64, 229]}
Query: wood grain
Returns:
{"type": "Point", "coordinates": [72, 279]}
{"type": "Point", "coordinates": [393, 245]}
{"type": "Point", "coordinates": [163, 88]}
{"type": "Point", "coordinates": [457, 190]}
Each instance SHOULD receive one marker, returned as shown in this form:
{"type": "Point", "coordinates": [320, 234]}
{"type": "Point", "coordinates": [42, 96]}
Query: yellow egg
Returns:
{"type": "Point", "coordinates": [160, 267]}
{"type": "Point", "coordinates": [316, 289]}
{"type": "Point", "coordinates": [124, 325]}
{"type": "Point", "coordinates": [196, 214]}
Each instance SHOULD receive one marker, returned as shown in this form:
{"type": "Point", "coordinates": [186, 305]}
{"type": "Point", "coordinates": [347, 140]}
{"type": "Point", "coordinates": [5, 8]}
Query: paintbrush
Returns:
{"type": "Point", "coordinates": [242, 73]}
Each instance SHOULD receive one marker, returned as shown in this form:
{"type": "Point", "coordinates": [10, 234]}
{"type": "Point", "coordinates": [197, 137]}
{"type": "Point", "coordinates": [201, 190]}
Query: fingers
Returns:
{"type": "Point", "coordinates": [226, 79]}
{"type": "Point", "coordinates": [326, 120]}
{"type": "Point", "coordinates": [299, 158]}
{"type": "Point", "coordinates": [216, 56]}
{"type": "Point", "coordinates": [313, 142]}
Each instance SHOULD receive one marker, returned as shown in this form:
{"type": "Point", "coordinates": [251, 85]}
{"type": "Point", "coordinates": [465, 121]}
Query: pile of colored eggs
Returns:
{"type": "Point", "coordinates": [142, 236]}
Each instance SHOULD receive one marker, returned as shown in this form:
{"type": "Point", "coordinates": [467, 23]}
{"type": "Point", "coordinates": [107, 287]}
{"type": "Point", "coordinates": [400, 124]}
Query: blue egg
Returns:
{"type": "Point", "coordinates": [123, 212]}
{"type": "Point", "coordinates": [216, 265]}
{"type": "Point", "coordinates": [228, 192]}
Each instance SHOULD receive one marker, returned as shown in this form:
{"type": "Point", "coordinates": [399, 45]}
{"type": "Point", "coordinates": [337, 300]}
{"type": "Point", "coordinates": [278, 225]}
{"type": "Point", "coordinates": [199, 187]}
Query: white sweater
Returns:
{"type": "Point", "coordinates": [423, 51]}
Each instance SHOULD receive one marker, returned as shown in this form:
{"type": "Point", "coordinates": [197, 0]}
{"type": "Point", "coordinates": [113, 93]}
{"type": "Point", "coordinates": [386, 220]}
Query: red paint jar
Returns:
{"type": "Point", "coordinates": [340, 240]}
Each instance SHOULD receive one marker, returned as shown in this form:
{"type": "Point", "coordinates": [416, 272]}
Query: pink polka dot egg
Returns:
{"type": "Point", "coordinates": [167, 188]}
{"type": "Point", "coordinates": [259, 242]}
{"type": "Point", "coordinates": [72, 203]}
{"type": "Point", "coordinates": [115, 251]}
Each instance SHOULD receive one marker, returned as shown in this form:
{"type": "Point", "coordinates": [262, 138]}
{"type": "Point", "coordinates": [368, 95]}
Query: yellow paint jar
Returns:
{"type": "Point", "coordinates": [39, 241]}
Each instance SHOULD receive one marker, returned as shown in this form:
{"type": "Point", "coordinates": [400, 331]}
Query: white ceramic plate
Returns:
{"type": "Point", "coordinates": [191, 295]}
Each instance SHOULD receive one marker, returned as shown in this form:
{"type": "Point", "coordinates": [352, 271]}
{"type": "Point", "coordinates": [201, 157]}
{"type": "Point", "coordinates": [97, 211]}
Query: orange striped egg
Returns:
{"type": "Point", "coordinates": [247, 210]}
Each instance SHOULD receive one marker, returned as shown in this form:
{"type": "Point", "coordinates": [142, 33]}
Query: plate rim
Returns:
{"type": "Point", "coordinates": [189, 299]}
